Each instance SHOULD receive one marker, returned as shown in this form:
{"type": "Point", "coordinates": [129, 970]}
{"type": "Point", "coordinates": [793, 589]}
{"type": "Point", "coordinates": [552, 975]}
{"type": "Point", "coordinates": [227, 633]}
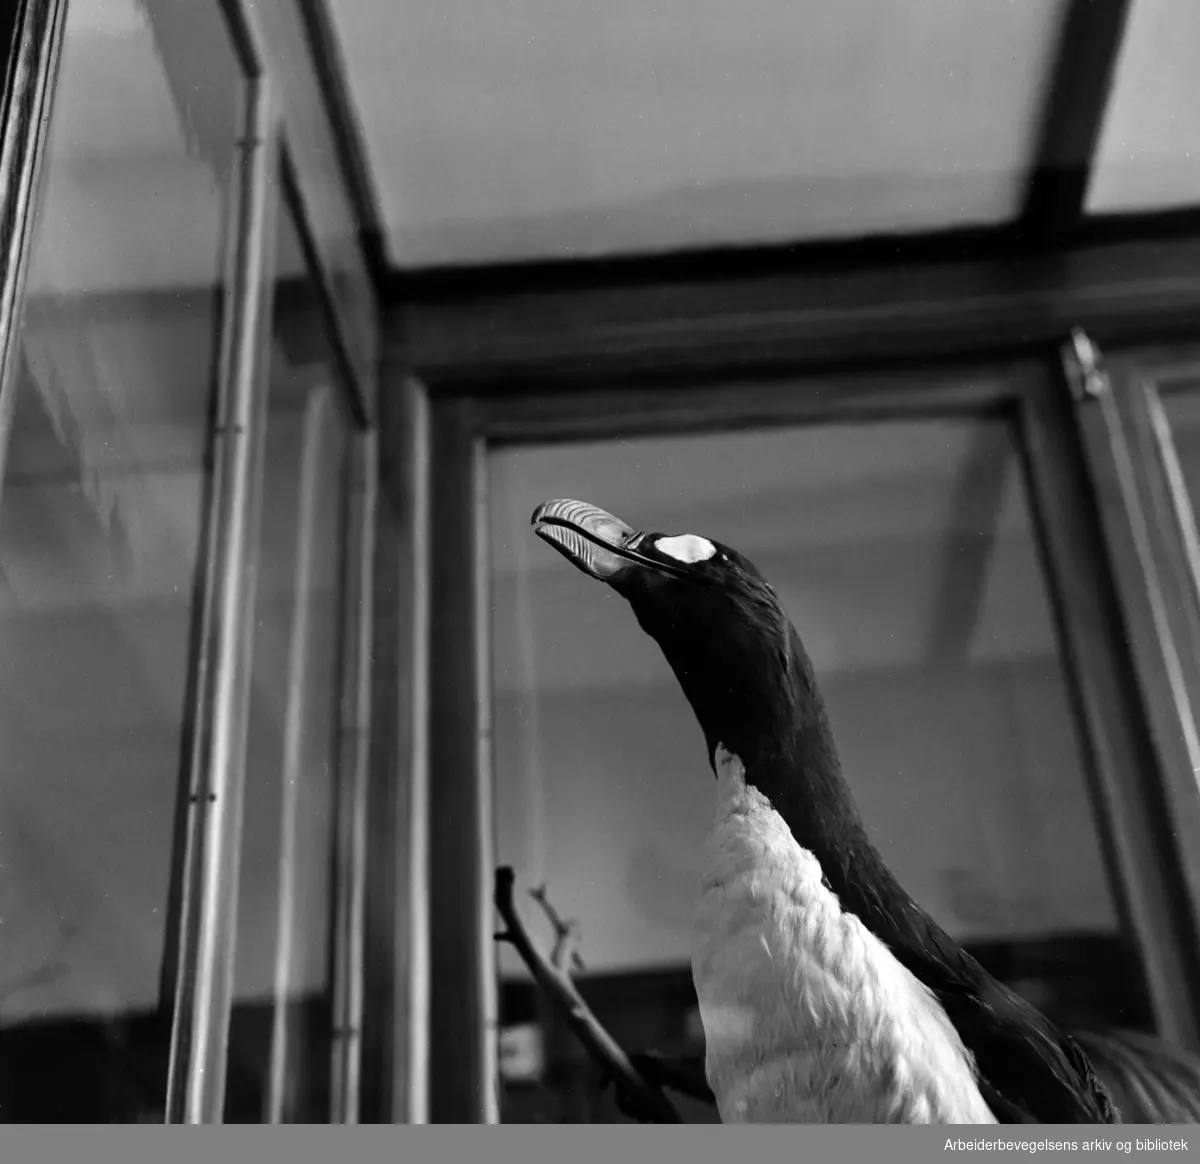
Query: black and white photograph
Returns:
{"type": "Point", "coordinates": [616, 563]}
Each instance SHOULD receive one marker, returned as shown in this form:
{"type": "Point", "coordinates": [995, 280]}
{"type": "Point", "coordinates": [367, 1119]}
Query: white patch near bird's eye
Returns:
{"type": "Point", "coordinates": [686, 548]}
{"type": "Point", "coordinates": [808, 1017]}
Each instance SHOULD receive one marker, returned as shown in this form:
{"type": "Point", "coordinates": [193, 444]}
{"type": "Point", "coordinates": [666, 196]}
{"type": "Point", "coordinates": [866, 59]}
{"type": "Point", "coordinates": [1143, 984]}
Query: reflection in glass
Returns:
{"type": "Point", "coordinates": [104, 478]}
{"type": "Point", "coordinates": [281, 1038]}
{"type": "Point", "coordinates": [905, 555]}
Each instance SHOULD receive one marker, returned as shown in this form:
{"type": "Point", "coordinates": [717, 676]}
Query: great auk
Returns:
{"type": "Point", "coordinates": [827, 995]}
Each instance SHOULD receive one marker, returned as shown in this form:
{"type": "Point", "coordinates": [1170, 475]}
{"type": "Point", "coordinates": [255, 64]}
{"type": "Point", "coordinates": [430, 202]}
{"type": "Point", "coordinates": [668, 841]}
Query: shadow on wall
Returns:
{"type": "Point", "coordinates": [113, 1070]}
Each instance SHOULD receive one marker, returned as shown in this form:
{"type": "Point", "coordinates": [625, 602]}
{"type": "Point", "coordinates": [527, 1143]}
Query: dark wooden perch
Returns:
{"type": "Point", "coordinates": [682, 1073]}
{"type": "Point", "coordinates": [638, 1098]}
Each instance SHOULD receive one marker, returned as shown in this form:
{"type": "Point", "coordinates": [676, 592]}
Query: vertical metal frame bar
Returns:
{"type": "Point", "coordinates": [463, 1051]}
{"type": "Point", "coordinates": [1173, 526]}
{"type": "Point", "coordinates": [353, 771]}
{"type": "Point", "coordinates": [292, 777]}
{"type": "Point", "coordinates": [384, 1042]}
{"type": "Point", "coordinates": [1181, 503]}
{"type": "Point", "coordinates": [281, 31]}
{"type": "Point", "coordinates": [207, 925]}
{"type": "Point", "coordinates": [1074, 107]}
{"type": "Point", "coordinates": [358, 398]}
{"type": "Point", "coordinates": [1181, 537]}
{"type": "Point", "coordinates": [485, 826]}
{"type": "Point", "coordinates": [403, 766]}
{"type": "Point", "coordinates": [352, 839]}
{"type": "Point", "coordinates": [26, 111]}
{"type": "Point", "coordinates": [1158, 514]}
{"type": "Point", "coordinates": [1116, 732]}
{"type": "Point", "coordinates": [350, 860]}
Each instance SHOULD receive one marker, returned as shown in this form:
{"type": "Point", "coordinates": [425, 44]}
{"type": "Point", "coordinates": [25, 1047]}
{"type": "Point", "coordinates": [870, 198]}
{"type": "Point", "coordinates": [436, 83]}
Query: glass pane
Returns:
{"type": "Point", "coordinates": [100, 525]}
{"type": "Point", "coordinates": [905, 556]}
{"type": "Point", "coordinates": [1146, 157]}
{"type": "Point", "coordinates": [282, 1032]}
{"type": "Point", "coordinates": [1181, 402]}
{"type": "Point", "coordinates": [625, 127]}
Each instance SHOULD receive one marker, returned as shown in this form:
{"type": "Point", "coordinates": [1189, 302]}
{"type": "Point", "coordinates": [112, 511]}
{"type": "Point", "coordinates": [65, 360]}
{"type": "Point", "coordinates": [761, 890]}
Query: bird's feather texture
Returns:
{"type": "Point", "coordinates": [808, 1017]}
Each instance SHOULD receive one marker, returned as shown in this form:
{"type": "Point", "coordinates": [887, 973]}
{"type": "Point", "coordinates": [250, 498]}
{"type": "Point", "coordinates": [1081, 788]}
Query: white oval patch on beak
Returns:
{"type": "Point", "coordinates": [686, 548]}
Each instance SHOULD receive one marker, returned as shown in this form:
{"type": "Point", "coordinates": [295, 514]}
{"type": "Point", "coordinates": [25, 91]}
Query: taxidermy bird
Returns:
{"type": "Point", "coordinates": [827, 995]}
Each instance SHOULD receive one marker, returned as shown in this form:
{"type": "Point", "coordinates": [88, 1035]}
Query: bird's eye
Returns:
{"type": "Point", "coordinates": [686, 548]}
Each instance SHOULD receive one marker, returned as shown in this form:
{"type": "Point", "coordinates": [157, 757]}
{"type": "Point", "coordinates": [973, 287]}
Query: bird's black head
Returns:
{"type": "Point", "coordinates": [718, 621]}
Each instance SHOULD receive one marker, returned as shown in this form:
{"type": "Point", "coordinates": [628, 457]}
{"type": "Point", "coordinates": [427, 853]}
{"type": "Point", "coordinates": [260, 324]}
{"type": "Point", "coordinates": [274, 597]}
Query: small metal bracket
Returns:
{"type": "Point", "coordinates": [1084, 366]}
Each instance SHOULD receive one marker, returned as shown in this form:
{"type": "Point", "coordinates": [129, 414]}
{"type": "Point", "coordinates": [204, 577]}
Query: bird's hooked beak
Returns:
{"type": "Point", "coordinates": [596, 542]}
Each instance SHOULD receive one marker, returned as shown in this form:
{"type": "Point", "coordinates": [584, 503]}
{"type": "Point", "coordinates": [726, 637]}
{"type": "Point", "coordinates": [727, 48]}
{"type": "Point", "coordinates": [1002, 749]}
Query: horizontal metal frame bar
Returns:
{"type": "Point", "coordinates": [882, 311]}
{"type": "Point", "coordinates": [599, 413]}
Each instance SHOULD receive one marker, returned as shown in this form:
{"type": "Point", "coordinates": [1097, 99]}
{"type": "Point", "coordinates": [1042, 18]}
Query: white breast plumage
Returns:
{"type": "Point", "coordinates": [808, 1017]}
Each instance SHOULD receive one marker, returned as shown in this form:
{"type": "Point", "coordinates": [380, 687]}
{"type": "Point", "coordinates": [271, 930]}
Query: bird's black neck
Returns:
{"type": "Point", "coordinates": [764, 707]}
{"type": "Point", "coordinates": [761, 703]}
{"type": "Point", "coordinates": [798, 770]}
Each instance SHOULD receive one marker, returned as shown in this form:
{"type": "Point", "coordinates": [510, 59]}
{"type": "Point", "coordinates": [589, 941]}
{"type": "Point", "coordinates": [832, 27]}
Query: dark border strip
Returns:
{"type": "Point", "coordinates": [737, 263]}
{"type": "Point", "coordinates": [1076, 100]}
{"type": "Point", "coordinates": [873, 314]}
{"type": "Point", "coordinates": [242, 36]}
{"type": "Point", "coordinates": [465, 280]}
{"type": "Point", "coordinates": [331, 72]}
{"type": "Point", "coordinates": [352, 388]}
{"type": "Point", "coordinates": [30, 82]}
